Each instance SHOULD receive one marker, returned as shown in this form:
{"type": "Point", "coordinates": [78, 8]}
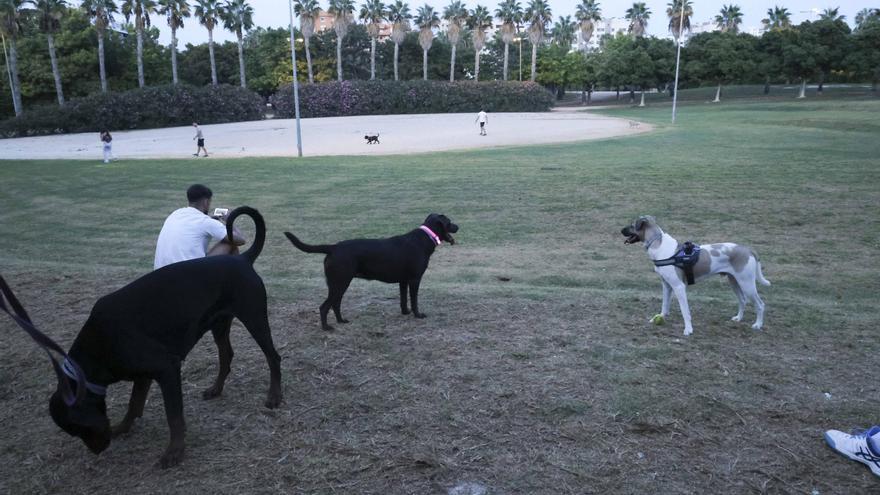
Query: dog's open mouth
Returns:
{"type": "Point", "coordinates": [631, 239]}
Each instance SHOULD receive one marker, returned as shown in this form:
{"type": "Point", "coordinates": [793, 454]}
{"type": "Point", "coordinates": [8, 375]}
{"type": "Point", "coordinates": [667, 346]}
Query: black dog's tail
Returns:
{"type": "Point", "coordinates": [260, 239]}
{"type": "Point", "coordinates": [308, 248]}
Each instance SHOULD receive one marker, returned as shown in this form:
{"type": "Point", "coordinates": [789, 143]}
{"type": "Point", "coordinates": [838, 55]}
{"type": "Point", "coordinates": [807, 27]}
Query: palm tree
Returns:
{"type": "Point", "coordinates": [867, 16]}
{"type": "Point", "coordinates": [307, 10]}
{"type": "Point", "coordinates": [176, 11]}
{"type": "Point", "coordinates": [537, 14]}
{"type": "Point", "coordinates": [588, 13]}
{"type": "Point", "coordinates": [456, 15]}
{"type": "Point", "coordinates": [373, 13]}
{"type": "Point", "coordinates": [141, 10]}
{"type": "Point", "coordinates": [830, 14]}
{"type": "Point", "coordinates": [398, 15]}
{"type": "Point", "coordinates": [11, 12]}
{"type": "Point", "coordinates": [480, 20]}
{"type": "Point", "coordinates": [102, 12]}
{"type": "Point", "coordinates": [563, 32]}
{"type": "Point", "coordinates": [638, 16]}
{"type": "Point", "coordinates": [50, 13]}
{"type": "Point", "coordinates": [729, 19]}
{"type": "Point", "coordinates": [343, 10]}
{"type": "Point", "coordinates": [238, 16]}
{"type": "Point", "coordinates": [510, 13]}
{"type": "Point", "coordinates": [777, 18]}
{"type": "Point", "coordinates": [426, 20]}
{"type": "Point", "coordinates": [210, 14]}
{"type": "Point", "coordinates": [677, 22]}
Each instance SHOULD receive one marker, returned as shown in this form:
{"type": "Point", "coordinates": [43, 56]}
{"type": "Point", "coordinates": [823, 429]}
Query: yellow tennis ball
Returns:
{"type": "Point", "coordinates": [658, 320]}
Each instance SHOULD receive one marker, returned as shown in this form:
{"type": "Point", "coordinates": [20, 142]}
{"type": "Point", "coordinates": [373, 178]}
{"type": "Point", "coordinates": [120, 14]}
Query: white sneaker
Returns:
{"type": "Point", "coordinates": [856, 446]}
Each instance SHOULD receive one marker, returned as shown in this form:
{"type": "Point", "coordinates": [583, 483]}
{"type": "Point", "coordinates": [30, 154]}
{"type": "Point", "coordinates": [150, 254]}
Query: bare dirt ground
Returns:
{"type": "Point", "coordinates": [398, 134]}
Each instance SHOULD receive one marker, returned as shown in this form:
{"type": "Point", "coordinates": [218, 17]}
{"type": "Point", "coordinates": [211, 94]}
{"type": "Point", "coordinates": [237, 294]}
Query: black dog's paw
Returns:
{"type": "Point", "coordinates": [420, 315]}
{"type": "Point", "coordinates": [211, 393]}
{"type": "Point", "coordinates": [121, 429]}
{"type": "Point", "coordinates": [342, 320]}
{"type": "Point", "coordinates": [404, 311]}
{"type": "Point", "coordinates": [327, 328]}
{"type": "Point", "coordinates": [171, 458]}
{"type": "Point", "coordinates": [273, 401]}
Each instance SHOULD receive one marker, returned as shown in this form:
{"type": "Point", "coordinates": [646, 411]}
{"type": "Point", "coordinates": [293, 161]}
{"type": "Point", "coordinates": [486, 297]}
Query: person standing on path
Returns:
{"type": "Point", "coordinates": [106, 140]}
{"type": "Point", "coordinates": [200, 140]}
{"type": "Point", "coordinates": [483, 119]}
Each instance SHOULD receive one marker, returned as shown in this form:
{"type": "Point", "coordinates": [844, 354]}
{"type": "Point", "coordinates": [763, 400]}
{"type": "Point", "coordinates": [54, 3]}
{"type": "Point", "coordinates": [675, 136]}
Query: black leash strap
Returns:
{"type": "Point", "coordinates": [20, 316]}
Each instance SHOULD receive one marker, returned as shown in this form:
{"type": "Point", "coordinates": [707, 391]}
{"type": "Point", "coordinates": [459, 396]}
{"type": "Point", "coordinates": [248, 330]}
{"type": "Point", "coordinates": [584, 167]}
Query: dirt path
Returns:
{"type": "Point", "coordinates": [398, 134]}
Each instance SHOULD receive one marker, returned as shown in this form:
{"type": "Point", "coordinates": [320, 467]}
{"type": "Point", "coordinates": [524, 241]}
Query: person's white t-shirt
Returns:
{"type": "Point", "coordinates": [185, 236]}
{"type": "Point", "coordinates": [482, 117]}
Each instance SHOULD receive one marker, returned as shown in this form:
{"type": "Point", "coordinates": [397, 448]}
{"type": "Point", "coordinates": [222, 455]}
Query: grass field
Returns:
{"type": "Point", "coordinates": [536, 370]}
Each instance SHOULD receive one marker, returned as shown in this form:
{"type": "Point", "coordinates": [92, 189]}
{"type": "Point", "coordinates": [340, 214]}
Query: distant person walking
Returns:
{"type": "Point", "coordinates": [199, 138]}
{"type": "Point", "coordinates": [107, 140]}
{"type": "Point", "coordinates": [483, 119]}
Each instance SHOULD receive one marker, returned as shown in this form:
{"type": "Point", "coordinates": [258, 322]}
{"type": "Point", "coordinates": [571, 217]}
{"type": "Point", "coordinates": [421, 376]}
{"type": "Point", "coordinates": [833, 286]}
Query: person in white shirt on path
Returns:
{"type": "Point", "coordinates": [483, 119]}
{"type": "Point", "coordinates": [188, 231]}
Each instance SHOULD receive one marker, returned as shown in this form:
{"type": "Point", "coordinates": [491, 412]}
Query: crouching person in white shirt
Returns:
{"type": "Point", "coordinates": [188, 231]}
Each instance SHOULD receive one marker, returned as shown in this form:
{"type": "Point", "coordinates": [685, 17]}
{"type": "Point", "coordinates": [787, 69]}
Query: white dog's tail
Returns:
{"type": "Point", "coordinates": [759, 274]}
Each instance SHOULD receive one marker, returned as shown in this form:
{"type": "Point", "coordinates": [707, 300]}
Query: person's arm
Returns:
{"type": "Point", "coordinates": [217, 229]}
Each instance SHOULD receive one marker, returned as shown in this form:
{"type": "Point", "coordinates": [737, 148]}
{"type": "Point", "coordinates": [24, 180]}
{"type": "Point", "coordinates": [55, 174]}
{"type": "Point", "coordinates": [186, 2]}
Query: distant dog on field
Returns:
{"type": "Point", "coordinates": [681, 265]}
{"type": "Point", "coordinates": [372, 139]}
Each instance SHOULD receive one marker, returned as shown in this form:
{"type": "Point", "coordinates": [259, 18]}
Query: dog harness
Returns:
{"type": "Point", "coordinates": [68, 370]}
{"type": "Point", "coordinates": [434, 237]}
{"type": "Point", "coordinates": [685, 258]}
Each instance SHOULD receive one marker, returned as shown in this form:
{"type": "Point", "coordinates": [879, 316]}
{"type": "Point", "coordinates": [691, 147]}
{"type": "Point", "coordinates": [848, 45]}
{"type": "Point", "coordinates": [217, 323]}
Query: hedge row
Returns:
{"type": "Point", "coordinates": [334, 99]}
{"type": "Point", "coordinates": [157, 106]}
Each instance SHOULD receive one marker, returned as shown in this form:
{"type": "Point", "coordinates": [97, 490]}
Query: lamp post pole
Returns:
{"type": "Point", "coordinates": [678, 57]}
{"type": "Point", "coordinates": [299, 148]}
{"type": "Point", "coordinates": [519, 41]}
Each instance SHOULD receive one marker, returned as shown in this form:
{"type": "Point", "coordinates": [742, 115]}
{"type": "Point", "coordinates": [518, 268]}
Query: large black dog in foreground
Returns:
{"type": "Point", "coordinates": [143, 331]}
{"type": "Point", "coordinates": [402, 259]}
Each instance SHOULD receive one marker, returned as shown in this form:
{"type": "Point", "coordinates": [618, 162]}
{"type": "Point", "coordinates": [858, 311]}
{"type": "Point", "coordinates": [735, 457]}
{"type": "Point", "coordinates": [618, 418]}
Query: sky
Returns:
{"type": "Point", "coordinates": [275, 13]}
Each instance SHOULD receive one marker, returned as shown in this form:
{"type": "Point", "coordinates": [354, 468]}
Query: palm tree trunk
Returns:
{"type": "Point", "coordinates": [211, 54]}
{"type": "Point", "coordinates": [632, 95]}
{"type": "Point", "coordinates": [477, 66]}
{"type": "Point", "coordinates": [534, 62]}
{"type": "Point", "coordinates": [506, 50]}
{"type": "Point", "coordinates": [372, 58]}
{"type": "Point", "coordinates": [338, 58]}
{"type": "Point", "coordinates": [803, 92]}
{"type": "Point", "coordinates": [101, 61]}
{"type": "Point", "coordinates": [396, 50]}
{"type": "Point", "coordinates": [55, 72]}
{"type": "Point", "coordinates": [425, 64]}
{"type": "Point", "coordinates": [309, 60]}
{"type": "Point", "coordinates": [16, 86]}
{"type": "Point", "coordinates": [140, 55]}
{"type": "Point", "coordinates": [590, 96]}
{"type": "Point", "coordinates": [821, 82]}
{"type": "Point", "coordinates": [643, 98]}
{"type": "Point", "coordinates": [241, 60]}
{"type": "Point", "coordinates": [174, 55]}
{"type": "Point", "coordinates": [767, 85]}
{"type": "Point", "coordinates": [717, 94]}
{"type": "Point", "coordinates": [452, 66]}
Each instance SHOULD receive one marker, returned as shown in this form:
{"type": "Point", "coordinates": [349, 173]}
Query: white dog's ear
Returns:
{"type": "Point", "coordinates": [640, 223]}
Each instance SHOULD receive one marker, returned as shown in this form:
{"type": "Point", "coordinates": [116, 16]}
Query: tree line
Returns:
{"type": "Point", "coordinates": [51, 43]}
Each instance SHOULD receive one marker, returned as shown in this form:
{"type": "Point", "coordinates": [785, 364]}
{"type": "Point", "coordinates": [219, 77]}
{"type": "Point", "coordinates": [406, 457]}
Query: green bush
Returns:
{"type": "Point", "coordinates": [158, 106]}
{"type": "Point", "coordinates": [335, 99]}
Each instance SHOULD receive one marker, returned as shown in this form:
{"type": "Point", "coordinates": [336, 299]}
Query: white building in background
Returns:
{"type": "Point", "coordinates": [610, 26]}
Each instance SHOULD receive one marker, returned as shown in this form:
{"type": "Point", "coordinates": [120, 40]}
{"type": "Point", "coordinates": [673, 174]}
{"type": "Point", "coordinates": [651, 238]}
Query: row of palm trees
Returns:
{"type": "Point", "coordinates": [237, 16]}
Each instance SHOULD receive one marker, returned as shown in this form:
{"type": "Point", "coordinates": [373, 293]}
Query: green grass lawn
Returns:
{"type": "Point", "coordinates": [549, 382]}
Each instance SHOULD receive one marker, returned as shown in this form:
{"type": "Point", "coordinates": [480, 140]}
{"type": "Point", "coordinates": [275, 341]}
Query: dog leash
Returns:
{"type": "Point", "coordinates": [20, 316]}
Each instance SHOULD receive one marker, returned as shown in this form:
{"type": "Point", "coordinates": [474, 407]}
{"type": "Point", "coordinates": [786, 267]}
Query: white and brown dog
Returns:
{"type": "Point", "coordinates": [739, 263]}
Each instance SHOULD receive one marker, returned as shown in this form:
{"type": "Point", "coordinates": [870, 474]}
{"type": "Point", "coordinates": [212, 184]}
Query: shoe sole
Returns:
{"type": "Point", "coordinates": [833, 445]}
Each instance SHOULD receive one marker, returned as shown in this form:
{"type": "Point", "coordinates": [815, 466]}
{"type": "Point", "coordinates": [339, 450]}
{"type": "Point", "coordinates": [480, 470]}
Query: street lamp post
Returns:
{"type": "Point", "coordinates": [678, 57]}
{"type": "Point", "coordinates": [519, 41]}
{"type": "Point", "coordinates": [299, 148]}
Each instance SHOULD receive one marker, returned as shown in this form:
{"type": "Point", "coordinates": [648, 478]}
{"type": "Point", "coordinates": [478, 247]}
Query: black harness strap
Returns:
{"type": "Point", "coordinates": [685, 257]}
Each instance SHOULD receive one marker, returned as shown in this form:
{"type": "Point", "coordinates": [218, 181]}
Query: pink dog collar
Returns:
{"type": "Point", "coordinates": [434, 237]}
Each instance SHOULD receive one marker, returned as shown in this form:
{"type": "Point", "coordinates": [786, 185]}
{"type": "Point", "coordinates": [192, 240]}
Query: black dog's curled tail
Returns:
{"type": "Point", "coordinates": [260, 239]}
{"type": "Point", "coordinates": [308, 248]}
